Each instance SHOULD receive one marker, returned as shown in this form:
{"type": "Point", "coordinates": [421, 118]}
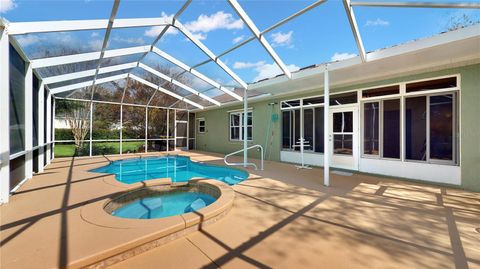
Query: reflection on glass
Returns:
{"type": "Point", "coordinates": [286, 126]}
{"type": "Point", "coordinates": [17, 102]}
{"type": "Point", "coordinates": [308, 128]}
{"type": "Point", "coordinates": [343, 99]}
{"type": "Point", "coordinates": [415, 128]}
{"type": "Point", "coordinates": [342, 144]}
{"type": "Point", "coordinates": [343, 122]}
{"type": "Point", "coordinates": [441, 127]}
{"type": "Point", "coordinates": [391, 128]}
{"type": "Point", "coordinates": [319, 130]}
{"type": "Point", "coordinates": [370, 128]}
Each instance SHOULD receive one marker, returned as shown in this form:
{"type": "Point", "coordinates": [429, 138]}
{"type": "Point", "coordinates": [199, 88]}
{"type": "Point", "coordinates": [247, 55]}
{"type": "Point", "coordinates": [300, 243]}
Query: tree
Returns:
{"type": "Point", "coordinates": [77, 115]}
{"type": "Point", "coordinates": [460, 21]}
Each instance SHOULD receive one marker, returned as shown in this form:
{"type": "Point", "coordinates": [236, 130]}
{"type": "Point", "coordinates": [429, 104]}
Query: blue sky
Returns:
{"type": "Point", "coordinates": [320, 35]}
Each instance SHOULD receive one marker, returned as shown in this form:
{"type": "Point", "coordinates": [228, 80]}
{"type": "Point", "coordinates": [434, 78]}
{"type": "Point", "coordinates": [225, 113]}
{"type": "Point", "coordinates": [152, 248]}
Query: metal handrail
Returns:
{"type": "Point", "coordinates": [251, 164]}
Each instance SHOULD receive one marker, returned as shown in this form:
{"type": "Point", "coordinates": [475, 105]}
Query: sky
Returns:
{"type": "Point", "coordinates": [320, 35]}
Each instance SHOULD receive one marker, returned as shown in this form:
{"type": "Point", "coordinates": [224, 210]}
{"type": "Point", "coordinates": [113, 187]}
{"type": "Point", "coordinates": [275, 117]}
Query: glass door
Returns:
{"type": "Point", "coordinates": [343, 137]}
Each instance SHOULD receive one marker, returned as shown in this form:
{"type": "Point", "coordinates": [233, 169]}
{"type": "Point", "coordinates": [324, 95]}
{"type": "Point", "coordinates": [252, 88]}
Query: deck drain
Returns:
{"type": "Point", "coordinates": [477, 230]}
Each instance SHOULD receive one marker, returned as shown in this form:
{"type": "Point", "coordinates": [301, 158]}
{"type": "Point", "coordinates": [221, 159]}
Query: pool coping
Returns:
{"type": "Point", "coordinates": [169, 228]}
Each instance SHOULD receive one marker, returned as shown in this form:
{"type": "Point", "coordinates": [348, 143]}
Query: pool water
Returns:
{"type": "Point", "coordinates": [164, 205]}
{"type": "Point", "coordinates": [178, 168]}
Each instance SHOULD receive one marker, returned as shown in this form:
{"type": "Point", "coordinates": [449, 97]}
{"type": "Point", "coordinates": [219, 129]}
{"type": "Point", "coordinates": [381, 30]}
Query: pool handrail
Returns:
{"type": "Point", "coordinates": [251, 164]}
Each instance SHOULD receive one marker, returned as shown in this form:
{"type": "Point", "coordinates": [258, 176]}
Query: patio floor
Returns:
{"type": "Point", "coordinates": [282, 218]}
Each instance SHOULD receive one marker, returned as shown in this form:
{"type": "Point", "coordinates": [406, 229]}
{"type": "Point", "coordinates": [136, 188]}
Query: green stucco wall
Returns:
{"type": "Point", "coordinates": [216, 137]}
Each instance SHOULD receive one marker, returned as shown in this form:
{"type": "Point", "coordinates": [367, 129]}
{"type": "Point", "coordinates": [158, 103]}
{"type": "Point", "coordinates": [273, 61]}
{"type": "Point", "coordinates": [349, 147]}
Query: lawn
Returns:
{"type": "Point", "coordinates": [99, 148]}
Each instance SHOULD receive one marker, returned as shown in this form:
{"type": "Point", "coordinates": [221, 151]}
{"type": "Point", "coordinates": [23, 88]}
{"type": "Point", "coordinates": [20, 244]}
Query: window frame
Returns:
{"type": "Point", "coordinates": [403, 95]}
{"type": "Point", "coordinates": [199, 125]}
{"type": "Point", "coordinates": [240, 113]}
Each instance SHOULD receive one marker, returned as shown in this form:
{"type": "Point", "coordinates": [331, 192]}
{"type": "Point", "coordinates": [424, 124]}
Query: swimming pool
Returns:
{"type": "Point", "coordinates": [178, 168]}
{"type": "Point", "coordinates": [164, 205]}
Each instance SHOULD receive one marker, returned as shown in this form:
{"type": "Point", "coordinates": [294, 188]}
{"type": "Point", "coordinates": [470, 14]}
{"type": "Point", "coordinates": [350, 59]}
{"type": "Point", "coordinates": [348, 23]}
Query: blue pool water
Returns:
{"type": "Point", "coordinates": [164, 205]}
{"type": "Point", "coordinates": [178, 168]}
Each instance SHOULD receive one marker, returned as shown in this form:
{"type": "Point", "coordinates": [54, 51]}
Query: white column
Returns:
{"type": "Point", "coordinates": [41, 125]}
{"type": "Point", "coordinates": [326, 128]}
{"type": "Point", "coordinates": [245, 129]}
{"type": "Point", "coordinates": [121, 129]}
{"type": "Point", "coordinates": [53, 127]}
{"type": "Point", "coordinates": [175, 129]}
{"type": "Point", "coordinates": [49, 127]}
{"type": "Point", "coordinates": [146, 129]}
{"type": "Point", "coordinates": [168, 129]}
{"type": "Point", "coordinates": [28, 120]}
{"type": "Point", "coordinates": [4, 118]}
{"type": "Point", "coordinates": [91, 123]}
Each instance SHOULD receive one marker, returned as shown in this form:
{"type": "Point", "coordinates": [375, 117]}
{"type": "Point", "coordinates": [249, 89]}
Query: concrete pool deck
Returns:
{"type": "Point", "coordinates": [281, 218]}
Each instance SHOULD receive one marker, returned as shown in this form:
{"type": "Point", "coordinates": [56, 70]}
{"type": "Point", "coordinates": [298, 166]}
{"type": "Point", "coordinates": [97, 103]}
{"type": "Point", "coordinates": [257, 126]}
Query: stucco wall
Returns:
{"type": "Point", "coordinates": [216, 137]}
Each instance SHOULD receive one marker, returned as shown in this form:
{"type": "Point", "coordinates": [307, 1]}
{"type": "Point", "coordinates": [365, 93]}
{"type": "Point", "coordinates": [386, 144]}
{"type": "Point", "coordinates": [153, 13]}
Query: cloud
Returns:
{"type": "Point", "coordinates": [219, 20]}
{"type": "Point", "coordinates": [201, 26]}
{"type": "Point", "coordinates": [271, 70]}
{"type": "Point", "coordinates": [244, 65]}
{"type": "Point", "coordinates": [238, 39]}
{"type": "Point", "coordinates": [342, 56]}
{"type": "Point", "coordinates": [27, 40]}
{"type": "Point", "coordinates": [200, 36]}
{"type": "Point", "coordinates": [282, 39]}
{"type": "Point", "coordinates": [94, 34]}
{"type": "Point", "coordinates": [130, 40]}
{"type": "Point", "coordinates": [7, 5]}
{"type": "Point", "coordinates": [156, 30]}
{"type": "Point", "coordinates": [95, 44]}
{"type": "Point", "coordinates": [263, 69]}
{"type": "Point", "coordinates": [377, 22]}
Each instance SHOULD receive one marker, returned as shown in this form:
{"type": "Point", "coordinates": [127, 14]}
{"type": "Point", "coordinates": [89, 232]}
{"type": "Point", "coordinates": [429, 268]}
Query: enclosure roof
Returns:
{"type": "Point", "coordinates": [206, 53]}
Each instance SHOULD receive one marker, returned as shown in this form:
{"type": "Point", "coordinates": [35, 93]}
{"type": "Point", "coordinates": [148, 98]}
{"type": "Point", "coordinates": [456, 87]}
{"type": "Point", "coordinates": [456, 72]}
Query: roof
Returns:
{"type": "Point", "coordinates": [109, 72]}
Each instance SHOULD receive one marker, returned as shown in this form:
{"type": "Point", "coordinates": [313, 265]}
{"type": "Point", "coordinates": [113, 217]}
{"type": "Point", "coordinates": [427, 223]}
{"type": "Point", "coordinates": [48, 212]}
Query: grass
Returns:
{"type": "Point", "coordinates": [98, 148]}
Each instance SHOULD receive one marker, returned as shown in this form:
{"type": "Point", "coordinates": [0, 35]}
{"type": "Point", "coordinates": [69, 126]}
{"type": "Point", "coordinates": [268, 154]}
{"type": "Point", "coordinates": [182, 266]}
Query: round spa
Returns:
{"type": "Point", "coordinates": [162, 201]}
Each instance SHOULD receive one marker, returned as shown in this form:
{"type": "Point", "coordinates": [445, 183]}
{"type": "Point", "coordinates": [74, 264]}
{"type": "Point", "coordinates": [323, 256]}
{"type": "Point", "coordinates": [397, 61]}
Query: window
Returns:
{"type": "Point", "coordinates": [343, 133]}
{"type": "Point", "coordinates": [308, 128]}
{"type": "Point", "coordinates": [391, 129]}
{"type": "Point", "coordinates": [388, 90]}
{"type": "Point", "coordinates": [416, 128]}
{"type": "Point", "coordinates": [435, 84]}
{"type": "Point", "coordinates": [286, 129]}
{"type": "Point", "coordinates": [201, 126]}
{"type": "Point", "coordinates": [319, 125]}
{"type": "Point", "coordinates": [343, 99]}
{"type": "Point", "coordinates": [381, 128]}
{"type": "Point", "coordinates": [371, 122]}
{"type": "Point", "coordinates": [236, 126]}
{"type": "Point", "coordinates": [430, 124]}
{"type": "Point", "coordinates": [441, 127]}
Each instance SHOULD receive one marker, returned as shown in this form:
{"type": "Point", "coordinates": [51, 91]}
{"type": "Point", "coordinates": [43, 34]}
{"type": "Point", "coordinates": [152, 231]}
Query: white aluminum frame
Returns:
{"type": "Point", "coordinates": [9, 30]}
{"type": "Point", "coordinates": [4, 117]}
{"type": "Point", "coordinates": [261, 38]}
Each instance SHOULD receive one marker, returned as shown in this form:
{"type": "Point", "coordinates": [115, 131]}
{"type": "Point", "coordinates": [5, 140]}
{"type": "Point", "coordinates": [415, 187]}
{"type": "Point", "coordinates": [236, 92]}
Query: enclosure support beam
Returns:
{"type": "Point", "coordinates": [4, 117]}
{"type": "Point", "coordinates": [53, 127]}
{"type": "Point", "coordinates": [355, 31]}
{"type": "Point", "coordinates": [417, 4]}
{"type": "Point", "coordinates": [91, 121]}
{"type": "Point", "coordinates": [253, 28]}
{"type": "Point", "coordinates": [326, 127]}
{"type": "Point", "coordinates": [41, 125]}
{"type": "Point", "coordinates": [49, 127]}
{"type": "Point", "coordinates": [28, 121]}
{"type": "Point", "coordinates": [194, 72]}
{"type": "Point", "coordinates": [209, 53]}
{"type": "Point", "coordinates": [245, 128]}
